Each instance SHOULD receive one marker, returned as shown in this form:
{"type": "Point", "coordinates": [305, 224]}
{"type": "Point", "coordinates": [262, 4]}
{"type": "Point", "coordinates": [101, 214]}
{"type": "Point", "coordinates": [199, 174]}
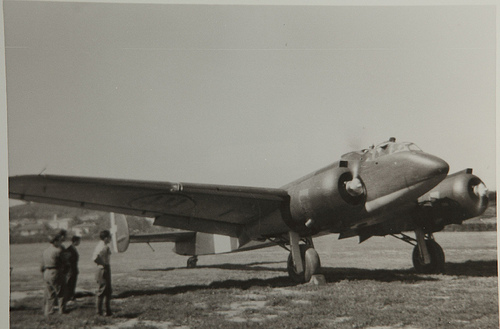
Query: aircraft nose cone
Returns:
{"type": "Point", "coordinates": [437, 166]}
{"type": "Point", "coordinates": [427, 166]}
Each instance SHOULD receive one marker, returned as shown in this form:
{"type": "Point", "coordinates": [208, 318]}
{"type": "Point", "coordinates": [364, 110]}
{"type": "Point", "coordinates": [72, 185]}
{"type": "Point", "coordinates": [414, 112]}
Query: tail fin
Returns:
{"type": "Point", "coordinates": [119, 232]}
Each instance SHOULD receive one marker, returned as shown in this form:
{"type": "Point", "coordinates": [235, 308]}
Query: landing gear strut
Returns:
{"type": "Point", "coordinates": [428, 256]}
{"type": "Point", "coordinates": [303, 261]}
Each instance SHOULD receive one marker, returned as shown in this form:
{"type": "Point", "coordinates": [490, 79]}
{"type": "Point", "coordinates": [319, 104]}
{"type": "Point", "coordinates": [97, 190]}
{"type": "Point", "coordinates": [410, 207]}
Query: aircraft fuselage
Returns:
{"type": "Point", "coordinates": [390, 175]}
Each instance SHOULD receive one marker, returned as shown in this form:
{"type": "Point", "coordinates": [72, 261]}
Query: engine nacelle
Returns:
{"type": "Point", "coordinates": [323, 195]}
{"type": "Point", "coordinates": [459, 197]}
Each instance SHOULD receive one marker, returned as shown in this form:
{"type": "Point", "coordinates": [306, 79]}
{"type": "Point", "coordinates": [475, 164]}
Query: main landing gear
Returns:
{"type": "Point", "coordinates": [303, 261]}
{"type": "Point", "coordinates": [428, 256]}
{"type": "Point", "coordinates": [435, 264]}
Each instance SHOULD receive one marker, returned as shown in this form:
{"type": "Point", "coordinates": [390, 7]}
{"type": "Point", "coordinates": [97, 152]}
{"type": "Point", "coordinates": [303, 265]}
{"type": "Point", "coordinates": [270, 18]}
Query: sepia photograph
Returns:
{"type": "Point", "coordinates": [230, 164]}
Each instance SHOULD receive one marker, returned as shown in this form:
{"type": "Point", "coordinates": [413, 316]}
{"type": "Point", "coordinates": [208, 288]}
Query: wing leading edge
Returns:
{"type": "Point", "coordinates": [229, 210]}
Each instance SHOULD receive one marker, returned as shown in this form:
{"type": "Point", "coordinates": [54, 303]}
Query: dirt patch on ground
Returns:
{"type": "Point", "coordinates": [251, 297]}
{"type": "Point", "coordinates": [287, 292]}
{"type": "Point", "coordinates": [243, 311]}
{"type": "Point", "coordinates": [399, 326]}
{"type": "Point", "coordinates": [132, 323]}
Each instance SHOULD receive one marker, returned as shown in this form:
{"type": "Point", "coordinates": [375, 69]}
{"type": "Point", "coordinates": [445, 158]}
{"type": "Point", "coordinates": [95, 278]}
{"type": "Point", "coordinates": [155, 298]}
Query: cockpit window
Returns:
{"type": "Point", "coordinates": [380, 150]}
{"type": "Point", "coordinates": [413, 147]}
{"type": "Point", "coordinates": [390, 148]}
{"type": "Point", "coordinates": [398, 147]}
{"type": "Point", "coordinates": [383, 149]}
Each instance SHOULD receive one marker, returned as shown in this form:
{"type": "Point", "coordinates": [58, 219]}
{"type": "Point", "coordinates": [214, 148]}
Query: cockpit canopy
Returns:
{"type": "Point", "coordinates": [382, 149]}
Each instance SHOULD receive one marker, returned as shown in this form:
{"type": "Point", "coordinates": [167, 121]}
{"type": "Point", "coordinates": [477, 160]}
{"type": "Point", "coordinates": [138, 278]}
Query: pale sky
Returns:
{"type": "Point", "coordinates": [243, 95]}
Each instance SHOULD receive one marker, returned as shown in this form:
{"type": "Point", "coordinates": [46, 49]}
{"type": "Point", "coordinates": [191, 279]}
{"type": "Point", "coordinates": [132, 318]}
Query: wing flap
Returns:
{"type": "Point", "coordinates": [162, 237]}
{"type": "Point", "coordinates": [202, 225]}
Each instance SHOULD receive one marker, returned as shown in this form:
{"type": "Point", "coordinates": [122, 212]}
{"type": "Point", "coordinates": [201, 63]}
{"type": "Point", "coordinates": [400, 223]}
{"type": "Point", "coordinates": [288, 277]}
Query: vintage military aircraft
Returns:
{"type": "Point", "coordinates": [384, 190]}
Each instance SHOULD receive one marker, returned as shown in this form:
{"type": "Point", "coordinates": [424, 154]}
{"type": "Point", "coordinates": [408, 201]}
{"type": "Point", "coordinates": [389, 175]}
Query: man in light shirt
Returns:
{"type": "Point", "coordinates": [101, 257]}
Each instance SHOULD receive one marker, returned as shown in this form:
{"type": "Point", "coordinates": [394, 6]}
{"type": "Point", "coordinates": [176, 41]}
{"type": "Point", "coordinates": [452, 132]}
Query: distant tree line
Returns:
{"type": "Point", "coordinates": [471, 227]}
{"type": "Point", "coordinates": [32, 212]}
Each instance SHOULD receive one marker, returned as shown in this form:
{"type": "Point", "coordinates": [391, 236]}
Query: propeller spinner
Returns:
{"type": "Point", "coordinates": [480, 190]}
{"type": "Point", "coordinates": [355, 187]}
{"type": "Point", "coordinates": [354, 190]}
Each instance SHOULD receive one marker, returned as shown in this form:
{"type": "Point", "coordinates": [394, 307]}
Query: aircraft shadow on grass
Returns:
{"type": "Point", "coordinates": [227, 266]}
{"type": "Point", "coordinates": [481, 268]}
{"type": "Point", "coordinates": [469, 268]}
{"type": "Point", "coordinates": [332, 275]}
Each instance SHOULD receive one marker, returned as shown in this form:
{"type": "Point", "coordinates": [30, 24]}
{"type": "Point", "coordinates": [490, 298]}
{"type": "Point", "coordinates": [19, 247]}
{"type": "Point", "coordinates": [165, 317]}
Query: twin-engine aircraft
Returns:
{"type": "Point", "coordinates": [384, 190]}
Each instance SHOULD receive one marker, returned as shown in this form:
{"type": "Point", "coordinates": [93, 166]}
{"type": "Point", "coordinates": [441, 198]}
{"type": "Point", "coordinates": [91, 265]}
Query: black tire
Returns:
{"type": "Point", "coordinates": [436, 265]}
{"type": "Point", "coordinates": [312, 265]}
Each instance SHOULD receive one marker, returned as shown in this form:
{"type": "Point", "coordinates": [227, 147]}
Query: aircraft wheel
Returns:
{"type": "Point", "coordinates": [192, 261]}
{"type": "Point", "coordinates": [437, 259]}
{"type": "Point", "coordinates": [310, 259]}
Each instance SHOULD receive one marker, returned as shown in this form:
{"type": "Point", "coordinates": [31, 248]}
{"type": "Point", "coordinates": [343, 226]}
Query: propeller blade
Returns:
{"type": "Point", "coordinates": [355, 169]}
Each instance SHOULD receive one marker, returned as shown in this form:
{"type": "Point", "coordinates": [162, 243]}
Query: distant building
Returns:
{"type": "Point", "coordinates": [13, 225]}
{"type": "Point", "coordinates": [82, 229]}
{"type": "Point", "coordinates": [23, 221]}
{"type": "Point", "coordinates": [58, 224]}
{"type": "Point", "coordinates": [89, 217]}
{"type": "Point", "coordinates": [31, 229]}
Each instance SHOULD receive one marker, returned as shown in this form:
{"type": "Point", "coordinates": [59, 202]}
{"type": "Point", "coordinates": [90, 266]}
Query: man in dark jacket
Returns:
{"type": "Point", "coordinates": [72, 275]}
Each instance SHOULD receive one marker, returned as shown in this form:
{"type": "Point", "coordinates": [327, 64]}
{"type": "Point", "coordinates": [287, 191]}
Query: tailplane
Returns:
{"type": "Point", "coordinates": [119, 232]}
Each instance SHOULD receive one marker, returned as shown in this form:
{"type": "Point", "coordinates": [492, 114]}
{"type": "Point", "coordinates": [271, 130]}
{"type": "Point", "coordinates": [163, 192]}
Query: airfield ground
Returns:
{"type": "Point", "coordinates": [369, 285]}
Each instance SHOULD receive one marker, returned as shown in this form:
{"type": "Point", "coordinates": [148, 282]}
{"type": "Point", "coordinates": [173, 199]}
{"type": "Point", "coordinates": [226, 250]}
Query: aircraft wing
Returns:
{"type": "Point", "coordinates": [205, 208]}
{"type": "Point", "coordinates": [162, 237]}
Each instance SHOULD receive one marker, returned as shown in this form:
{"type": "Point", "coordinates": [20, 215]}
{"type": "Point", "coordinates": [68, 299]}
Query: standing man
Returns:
{"type": "Point", "coordinates": [72, 276]}
{"type": "Point", "coordinates": [65, 267]}
{"type": "Point", "coordinates": [101, 257]}
{"type": "Point", "coordinates": [52, 269]}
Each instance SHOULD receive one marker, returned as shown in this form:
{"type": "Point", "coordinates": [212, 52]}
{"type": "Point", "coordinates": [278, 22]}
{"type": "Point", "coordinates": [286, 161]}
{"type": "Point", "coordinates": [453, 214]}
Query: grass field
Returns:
{"type": "Point", "coordinates": [369, 285]}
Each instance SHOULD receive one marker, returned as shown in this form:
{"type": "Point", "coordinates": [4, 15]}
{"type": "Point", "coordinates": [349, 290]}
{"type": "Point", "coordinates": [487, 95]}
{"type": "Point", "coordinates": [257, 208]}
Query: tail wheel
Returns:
{"type": "Point", "coordinates": [192, 261]}
{"type": "Point", "coordinates": [437, 259]}
{"type": "Point", "coordinates": [312, 265]}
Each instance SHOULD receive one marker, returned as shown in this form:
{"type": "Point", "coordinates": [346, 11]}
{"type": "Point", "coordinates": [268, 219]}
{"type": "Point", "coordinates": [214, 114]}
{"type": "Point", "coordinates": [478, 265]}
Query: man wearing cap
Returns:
{"type": "Point", "coordinates": [52, 269]}
{"type": "Point", "coordinates": [101, 257]}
